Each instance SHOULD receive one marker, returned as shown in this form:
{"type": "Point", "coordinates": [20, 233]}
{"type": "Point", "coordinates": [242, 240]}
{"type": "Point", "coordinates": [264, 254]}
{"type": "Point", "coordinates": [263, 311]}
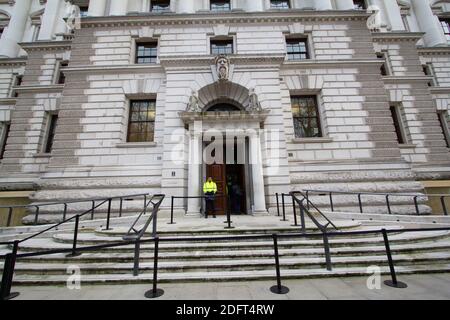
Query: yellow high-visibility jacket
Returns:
{"type": "Point", "coordinates": [210, 187]}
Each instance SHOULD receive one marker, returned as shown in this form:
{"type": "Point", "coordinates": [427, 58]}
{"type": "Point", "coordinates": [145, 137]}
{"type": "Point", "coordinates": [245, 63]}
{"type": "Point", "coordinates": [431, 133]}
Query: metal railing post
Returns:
{"type": "Point", "coordinates": [302, 216]}
{"type": "Point", "coordinates": [75, 239]}
{"type": "Point", "coordinates": [171, 211]}
{"type": "Point", "coordinates": [416, 205]}
{"type": "Point", "coordinates": [93, 210]}
{"type": "Point", "coordinates": [155, 292]}
{"type": "Point", "coordinates": [326, 246]}
{"type": "Point", "coordinates": [360, 203]}
{"type": "Point", "coordinates": [307, 199]}
{"type": "Point", "coordinates": [10, 212]}
{"type": "Point", "coordinates": [8, 274]}
{"type": "Point", "coordinates": [388, 204]}
{"type": "Point", "coordinates": [36, 217]}
{"type": "Point", "coordinates": [155, 222]}
{"type": "Point", "coordinates": [120, 207]}
{"type": "Point", "coordinates": [278, 289]}
{"type": "Point", "coordinates": [331, 202]}
{"type": "Point", "coordinates": [278, 205]}
{"type": "Point", "coordinates": [65, 211]}
{"type": "Point", "coordinates": [444, 206]}
{"type": "Point", "coordinates": [137, 249]}
{"type": "Point", "coordinates": [108, 216]}
{"type": "Point", "coordinates": [283, 207]}
{"type": "Point", "coordinates": [295, 212]}
{"type": "Point", "coordinates": [391, 283]}
{"type": "Point", "coordinates": [228, 221]}
{"type": "Point", "coordinates": [145, 204]}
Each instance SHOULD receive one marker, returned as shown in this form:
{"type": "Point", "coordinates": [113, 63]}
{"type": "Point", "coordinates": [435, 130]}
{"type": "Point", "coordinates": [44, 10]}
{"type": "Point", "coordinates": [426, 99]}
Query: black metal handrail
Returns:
{"type": "Point", "coordinates": [135, 235]}
{"type": "Point", "coordinates": [387, 196]}
{"type": "Point", "coordinates": [203, 197]}
{"type": "Point", "coordinates": [10, 258]}
{"type": "Point", "coordinates": [38, 206]}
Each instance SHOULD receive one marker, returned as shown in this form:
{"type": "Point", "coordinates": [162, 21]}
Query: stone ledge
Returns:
{"type": "Point", "coordinates": [312, 140]}
{"type": "Point", "coordinates": [137, 145]}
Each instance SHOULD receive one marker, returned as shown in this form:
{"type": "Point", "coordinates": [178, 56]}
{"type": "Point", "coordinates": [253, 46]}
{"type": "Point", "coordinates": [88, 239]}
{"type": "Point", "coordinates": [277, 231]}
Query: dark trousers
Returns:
{"type": "Point", "coordinates": [210, 208]}
{"type": "Point", "coordinates": [236, 204]}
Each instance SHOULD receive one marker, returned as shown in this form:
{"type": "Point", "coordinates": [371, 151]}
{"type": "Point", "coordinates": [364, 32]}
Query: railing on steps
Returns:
{"type": "Point", "coordinates": [11, 258]}
{"type": "Point", "coordinates": [202, 208]}
{"type": "Point", "coordinates": [387, 199]}
{"type": "Point", "coordinates": [135, 235]}
{"type": "Point", "coordinates": [95, 203]}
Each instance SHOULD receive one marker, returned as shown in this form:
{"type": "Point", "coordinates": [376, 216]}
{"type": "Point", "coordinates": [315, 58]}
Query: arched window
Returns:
{"type": "Point", "coordinates": [222, 107]}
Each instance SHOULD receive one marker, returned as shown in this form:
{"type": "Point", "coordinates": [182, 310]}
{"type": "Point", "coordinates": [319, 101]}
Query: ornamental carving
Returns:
{"type": "Point", "coordinates": [223, 67]}
{"type": "Point", "coordinates": [193, 105]}
{"type": "Point", "coordinates": [253, 102]}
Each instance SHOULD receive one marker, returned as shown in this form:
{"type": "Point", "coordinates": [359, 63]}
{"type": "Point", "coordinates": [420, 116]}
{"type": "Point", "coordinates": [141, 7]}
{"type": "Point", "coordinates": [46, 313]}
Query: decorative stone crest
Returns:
{"type": "Point", "coordinates": [223, 67]}
{"type": "Point", "coordinates": [193, 105]}
{"type": "Point", "coordinates": [253, 103]}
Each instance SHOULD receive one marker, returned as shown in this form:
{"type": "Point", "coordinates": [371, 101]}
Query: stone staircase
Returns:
{"type": "Point", "coordinates": [213, 260]}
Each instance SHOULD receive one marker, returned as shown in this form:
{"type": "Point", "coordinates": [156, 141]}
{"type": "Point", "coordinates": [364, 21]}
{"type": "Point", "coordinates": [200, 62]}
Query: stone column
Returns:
{"type": "Point", "coordinates": [392, 11]}
{"type": "Point", "coordinates": [49, 19]}
{"type": "Point", "coordinates": [323, 5]}
{"type": "Point", "coordinates": [255, 5]}
{"type": "Point", "coordinates": [259, 200]}
{"type": "Point", "coordinates": [195, 161]}
{"type": "Point", "coordinates": [97, 8]}
{"type": "Point", "coordinates": [186, 6]}
{"type": "Point", "coordinates": [118, 7]}
{"type": "Point", "coordinates": [345, 4]}
{"type": "Point", "coordinates": [428, 23]}
{"type": "Point", "coordinates": [14, 32]}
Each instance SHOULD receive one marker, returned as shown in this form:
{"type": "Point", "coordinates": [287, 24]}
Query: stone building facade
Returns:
{"type": "Point", "coordinates": [350, 95]}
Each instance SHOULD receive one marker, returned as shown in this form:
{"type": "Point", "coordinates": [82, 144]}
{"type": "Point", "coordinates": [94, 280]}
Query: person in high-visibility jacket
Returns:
{"type": "Point", "coordinates": [210, 190]}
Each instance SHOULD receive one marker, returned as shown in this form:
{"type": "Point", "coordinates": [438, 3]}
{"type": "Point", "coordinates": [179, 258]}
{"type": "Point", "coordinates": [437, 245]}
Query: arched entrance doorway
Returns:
{"type": "Point", "coordinates": [223, 125]}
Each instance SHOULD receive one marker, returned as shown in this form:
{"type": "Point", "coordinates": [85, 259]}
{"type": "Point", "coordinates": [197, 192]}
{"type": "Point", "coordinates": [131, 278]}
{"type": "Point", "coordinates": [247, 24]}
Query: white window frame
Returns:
{"type": "Point", "coordinates": [443, 115]}
{"type": "Point", "coordinates": [309, 42]}
{"type": "Point", "coordinates": [398, 109]}
{"type": "Point", "coordinates": [221, 38]}
{"type": "Point", "coordinates": [3, 137]}
{"type": "Point", "coordinates": [135, 41]}
{"type": "Point", "coordinates": [48, 117]}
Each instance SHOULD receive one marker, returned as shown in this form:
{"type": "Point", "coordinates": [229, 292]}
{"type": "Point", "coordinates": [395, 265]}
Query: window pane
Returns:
{"type": "Point", "coordinates": [397, 125]}
{"type": "Point", "coordinates": [279, 4]}
{"type": "Point", "coordinates": [142, 118]}
{"type": "Point", "coordinates": [297, 49]}
{"type": "Point", "coordinates": [146, 52]}
{"type": "Point", "coordinates": [220, 5]}
{"type": "Point", "coordinates": [160, 6]}
{"type": "Point", "coordinates": [51, 133]}
{"type": "Point", "coordinates": [306, 117]}
{"type": "Point", "coordinates": [3, 139]}
{"type": "Point", "coordinates": [221, 47]}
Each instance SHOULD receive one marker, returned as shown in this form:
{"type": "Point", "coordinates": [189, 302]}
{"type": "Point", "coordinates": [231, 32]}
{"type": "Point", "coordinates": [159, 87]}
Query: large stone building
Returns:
{"type": "Point", "coordinates": [319, 94]}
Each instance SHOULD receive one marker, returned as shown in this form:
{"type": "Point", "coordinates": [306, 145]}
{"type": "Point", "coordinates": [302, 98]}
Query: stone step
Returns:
{"type": "Point", "coordinates": [226, 265]}
{"type": "Point", "coordinates": [184, 277]}
{"type": "Point", "coordinates": [64, 241]}
{"type": "Point", "coordinates": [147, 255]}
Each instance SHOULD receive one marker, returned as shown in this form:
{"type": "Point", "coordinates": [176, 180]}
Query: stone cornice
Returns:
{"type": "Point", "coordinates": [39, 88]}
{"type": "Point", "coordinates": [207, 60]}
{"type": "Point", "coordinates": [235, 116]}
{"type": "Point", "coordinates": [330, 63]}
{"type": "Point", "coordinates": [397, 36]}
{"type": "Point", "coordinates": [440, 90]}
{"type": "Point", "coordinates": [46, 45]}
{"type": "Point", "coordinates": [397, 79]}
{"type": "Point", "coordinates": [433, 51]}
{"type": "Point", "coordinates": [288, 16]}
{"type": "Point", "coordinates": [115, 69]}
{"type": "Point", "coordinates": [13, 61]}
{"type": "Point", "coordinates": [7, 101]}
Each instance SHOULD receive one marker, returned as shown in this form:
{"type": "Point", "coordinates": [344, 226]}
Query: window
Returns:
{"type": "Point", "coordinates": [141, 124]}
{"type": "Point", "coordinates": [306, 116]}
{"type": "Point", "coordinates": [297, 49]}
{"type": "Point", "coordinates": [279, 4]}
{"type": "Point", "coordinates": [146, 52]}
{"type": "Point", "coordinates": [17, 82]}
{"type": "Point", "coordinates": [444, 119]}
{"type": "Point", "coordinates": [220, 5]}
{"type": "Point", "coordinates": [384, 70]}
{"type": "Point", "coordinates": [61, 76]}
{"type": "Point", "coordinates": [359, 4]}
{"type": "Point", "coordinates": [398, 124]}
{"type": "Point", "coordinates": [428, 71]}
{"type": "Point", "coordinates": [160, 6]}
{"type": "Point", "coordinates": [221, 47]}
{"type": "Point", "coordinates": [3, 137]}
{"type": "Point", "coordinates": [84, 11]}
{"type": "Point", "coordinates": [445, 23]}
{"type": "Point", "coordinates": [51, 130]}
